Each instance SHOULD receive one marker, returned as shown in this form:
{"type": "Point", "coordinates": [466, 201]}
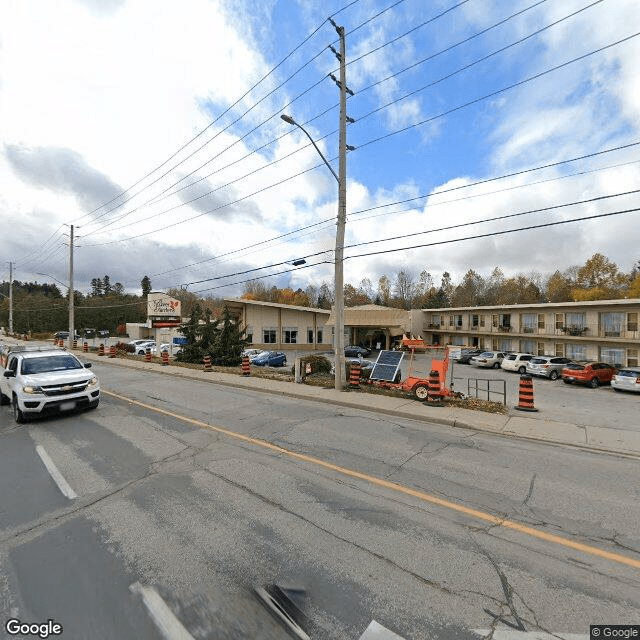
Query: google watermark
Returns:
{"type": "Point", "coordinates": [15, 627]}
{"type": "Point", "coordinates": [616, 631]}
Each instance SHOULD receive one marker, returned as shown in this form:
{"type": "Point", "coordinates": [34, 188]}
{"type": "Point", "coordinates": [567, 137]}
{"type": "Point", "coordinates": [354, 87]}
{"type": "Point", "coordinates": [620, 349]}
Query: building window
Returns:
{"type": "Point", "coordinates": [249, 334]}
{"type": "Point", "coordinates": [482, 320]}
{"type": "Point", "coordinates": [475, 319]}
{"type": "Point", "coordinates": [310, 335]}
{"type": "Point", "coordinates": [559, 349]}
{"type": "Point", "coordinates": [529, 322]}
{"type": "Point", "coordinates": [458, 320]}
{"type": "Point", "coordinates": [541, 321]}
{"type": "Point", "coordinates": [632, 357]}
{"type": "Point", "coordinates": [494, 320]}
{"type": "Point", "coordinates": [451, 321]}
{"type": "Point", "coordinates": [632, 321]}
{"type": "Point", "coordinates": [612, 356]}
{"type": "Point", "coordinates": [436, 321]}
{"type": "Point", "coordinates": [577, 321]}
{"type": "Point", "coordinates": [494, 344]}
{"type": "Point", "coordinates": [319, 336]}
{"type": "Point", "coordinates": [559, 321]}
{"type": "Point", "coordinates": [290, 335]}
{"type": "Point", "coordinates": [612, 324]}
{"type": "Point", "coordinates": [527, 346]}
{"type": "Point", "coordinates": [269, 335]}
{"type": "Point", "coordinates": [505, 345]}
{"type": "Point", "coordinates": [458, 341]}
{"type": "Point", "coordinates": [541, 350]}
{"type": "Point", "coordinates": [577, 352]}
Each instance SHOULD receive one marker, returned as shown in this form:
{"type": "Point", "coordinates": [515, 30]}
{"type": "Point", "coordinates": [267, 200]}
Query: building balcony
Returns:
{"type": "Point", "coordinates": [504, 329]}
{"type": "Point", "coordinates": [433, 326]}
{"type": "Point", "coordinates": [573, 330]}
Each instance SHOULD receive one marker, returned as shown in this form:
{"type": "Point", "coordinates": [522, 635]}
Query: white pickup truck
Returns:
{"type": "Point", "coordinates": [41, 381]}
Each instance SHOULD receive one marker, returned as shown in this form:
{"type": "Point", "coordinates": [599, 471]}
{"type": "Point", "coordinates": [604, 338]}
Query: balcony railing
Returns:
{"type": "Point", "coordinates": [573, 330]}
{"type": "Point", "coordinates": [434, 326]}
{"type": "Point", "coordinates": [504, 329]}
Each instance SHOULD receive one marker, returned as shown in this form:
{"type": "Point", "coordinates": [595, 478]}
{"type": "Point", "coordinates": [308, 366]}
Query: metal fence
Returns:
{"type": "Point", "coordinates": [473, 388]}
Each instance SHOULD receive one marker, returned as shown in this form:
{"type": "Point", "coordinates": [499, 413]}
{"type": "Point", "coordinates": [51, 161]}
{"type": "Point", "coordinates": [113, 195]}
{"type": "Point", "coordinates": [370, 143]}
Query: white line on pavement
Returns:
{"type": "Point", "coordinates": [166, 621]}
{"type": "Point", "coordinates": [375, 631]}
{"type": "Point", "coordinates": [58, 478]}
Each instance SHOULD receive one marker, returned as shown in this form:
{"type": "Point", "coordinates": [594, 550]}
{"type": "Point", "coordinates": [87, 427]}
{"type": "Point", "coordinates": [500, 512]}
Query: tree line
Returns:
{"type": "Point", "coordinates": [597, 279]}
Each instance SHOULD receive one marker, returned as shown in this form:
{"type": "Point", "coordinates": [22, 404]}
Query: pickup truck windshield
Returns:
{"type": "Point", "coordinates": [49, 363]}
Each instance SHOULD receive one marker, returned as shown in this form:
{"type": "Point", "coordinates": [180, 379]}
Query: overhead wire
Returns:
{"type": "Point", "coordinates": [421, 197]}
{"type": "Point", "coordinates": [219, 117]}
{"type": "Point", "coordinates": [536, 76]}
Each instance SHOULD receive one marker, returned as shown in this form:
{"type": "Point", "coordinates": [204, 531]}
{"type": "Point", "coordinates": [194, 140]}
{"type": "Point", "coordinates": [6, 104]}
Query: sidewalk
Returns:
{"type": "Point", "coordinates": [530, 426]}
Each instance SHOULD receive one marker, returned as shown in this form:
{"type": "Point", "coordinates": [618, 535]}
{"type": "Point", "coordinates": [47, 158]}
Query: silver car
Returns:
{"type": "Point", "coordinates": [488, 359]}
{"type": "Point", "coordinates": [547, 366]}
{"type": "Point", "coordinates": [627, 379]}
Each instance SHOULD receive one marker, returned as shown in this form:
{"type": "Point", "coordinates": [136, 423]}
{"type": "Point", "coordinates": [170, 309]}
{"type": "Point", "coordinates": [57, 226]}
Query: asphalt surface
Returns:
{"type": "Point", "coordinates": [171, 498]}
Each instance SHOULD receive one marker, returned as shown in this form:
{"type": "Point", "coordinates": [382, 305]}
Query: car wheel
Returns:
{"type": "Point", "coordinates": [421, 392]}
{"type": "Point", "coordinates": [593, 383]}
{"type": "Point", "coordinates": [522, 370]}
{"type": "Point", "coordinates": [566, 381]}
{"type": "Point", "coordinates": [553, 375]}
{"type": "Point", "coordinates": [17, 414]}
{"type": "Point", "coordinates": [496, 365]}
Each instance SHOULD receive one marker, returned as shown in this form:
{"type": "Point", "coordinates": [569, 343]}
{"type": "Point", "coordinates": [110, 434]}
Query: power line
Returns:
{"type": "Point", "coordinates": [434, 193]}
{"type": "Point", "coordinates": [496, 233]}
{"type": "Point", "coordinates": [378, 139]}
{"type": "Point", "coordinates": [185, 145]}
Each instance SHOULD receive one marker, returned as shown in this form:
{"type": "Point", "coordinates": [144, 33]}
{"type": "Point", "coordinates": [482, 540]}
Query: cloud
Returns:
{"type": "Point", "coordinates": [62, 170]}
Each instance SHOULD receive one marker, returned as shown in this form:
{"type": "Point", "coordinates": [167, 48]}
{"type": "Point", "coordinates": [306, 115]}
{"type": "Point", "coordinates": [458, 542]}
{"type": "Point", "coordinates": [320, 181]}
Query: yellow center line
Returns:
{"type": "Point", "coordinates": [393, 486]}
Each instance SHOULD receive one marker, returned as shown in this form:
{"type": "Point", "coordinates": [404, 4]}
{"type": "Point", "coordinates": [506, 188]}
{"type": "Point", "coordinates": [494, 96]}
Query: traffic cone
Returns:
{"type": "Point", "coordinates": [207, 363]}
{"type": "Point", "coordinates": [354, 375]}
{"type": "Point", "coordinates": [101, 349]}
{"type": "Point", "coordinates": [434, 394]}
{"type": "Point", "coordinates": [112, 351]}
{"type": "Point", "coordinates": [85, 347]}
{"type": "Point", "coordinates": [165, 358]}
{"type": "Point", "coordinates": [246, 368]}
{"type": "Point", "coordinates": [147, 355]}
{"type": "Point", "coordinates": [525, 400]}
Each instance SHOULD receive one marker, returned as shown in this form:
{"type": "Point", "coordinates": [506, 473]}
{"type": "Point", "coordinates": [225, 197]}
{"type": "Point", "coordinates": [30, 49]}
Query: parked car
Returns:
{"type": "Point", "coordinates": [488, 359]}
{"type": "Point", "coordinates": [141, 349]}
{"type": "Point", "coordinates": [627, 379]}
{"type": "Point", "coordinates": [547, 366]}
{"type": "Point", "coordinates": [354, 351]}
{"type": "Point", "coordinates": [591, 374]}
{"type": "Point", "coordinates": [103, 333]}
{"type": "Point", "coordinates": [516, 362]}
{"type": "Point", "coordinates": [249, 353]}
{"type": "Point", "coordinates": [467, 354]}
{"type": "Point", "coordinates": [270, 359]}
{"type": "Point", "coordinates": [256, 355]}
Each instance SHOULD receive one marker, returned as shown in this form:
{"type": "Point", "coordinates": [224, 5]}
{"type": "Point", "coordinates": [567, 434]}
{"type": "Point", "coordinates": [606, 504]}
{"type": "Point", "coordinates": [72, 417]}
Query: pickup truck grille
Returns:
{"type": "Point", "coordinates": [64, 389]}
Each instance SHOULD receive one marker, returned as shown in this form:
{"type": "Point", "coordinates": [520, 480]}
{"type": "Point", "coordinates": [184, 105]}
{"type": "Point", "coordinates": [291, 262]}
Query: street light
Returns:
{"type": "Point", "coordinates": [340, 375]}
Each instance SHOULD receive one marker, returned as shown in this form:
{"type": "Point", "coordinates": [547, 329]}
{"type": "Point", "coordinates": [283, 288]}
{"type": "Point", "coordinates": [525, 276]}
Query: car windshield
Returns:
{"type": "Point", "coordinates": [576, 367]}
{"type": "Point", "coordinates": [487, 354]}
{"type": "Point", "coordinates": [50, 363]}
{"type": "Point", "coordinates": [625, 373]}
{"type": "Point", "coordinates": [538, 360]}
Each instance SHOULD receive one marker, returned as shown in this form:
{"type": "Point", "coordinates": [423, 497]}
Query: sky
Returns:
{"type": "Point", "coordinates": [153, 127]}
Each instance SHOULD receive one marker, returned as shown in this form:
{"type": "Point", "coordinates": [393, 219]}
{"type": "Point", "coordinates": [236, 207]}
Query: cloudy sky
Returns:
{"type": "Point", "coordinates": [153, 127]}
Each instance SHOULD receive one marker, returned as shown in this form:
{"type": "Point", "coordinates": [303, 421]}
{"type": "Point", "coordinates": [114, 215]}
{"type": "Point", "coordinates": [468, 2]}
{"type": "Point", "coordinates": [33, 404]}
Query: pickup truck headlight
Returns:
{"type": "Point", "coordinates": [30, 389]}
{"type": "Point", "coordinates": [92, 382]}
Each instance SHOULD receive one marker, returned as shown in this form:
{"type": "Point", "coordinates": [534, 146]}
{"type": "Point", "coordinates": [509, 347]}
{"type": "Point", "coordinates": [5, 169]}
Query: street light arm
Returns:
{"type": "Point", "coordinates": [290, 120]}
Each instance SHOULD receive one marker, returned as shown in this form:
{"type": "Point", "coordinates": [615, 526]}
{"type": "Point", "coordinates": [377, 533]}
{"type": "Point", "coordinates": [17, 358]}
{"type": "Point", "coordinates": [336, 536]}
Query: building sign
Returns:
{"type": "Point", "coordinates": [161, 305]}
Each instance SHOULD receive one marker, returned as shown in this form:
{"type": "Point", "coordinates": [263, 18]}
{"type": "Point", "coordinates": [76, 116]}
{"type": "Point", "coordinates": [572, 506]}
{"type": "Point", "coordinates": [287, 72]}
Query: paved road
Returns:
{"type": "Point", "coordinates": [193, 517]}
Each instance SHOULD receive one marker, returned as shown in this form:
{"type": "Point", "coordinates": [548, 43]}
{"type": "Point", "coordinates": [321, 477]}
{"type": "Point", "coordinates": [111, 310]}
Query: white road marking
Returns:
{"type": "Point", "coordinates": [166, 621]}
{"type": "Point", "coordinates": [375, 631]}
{"type": "Point", "coordinates": [514, 634]}
{"type": "Point", "coordinates": [58, 478]}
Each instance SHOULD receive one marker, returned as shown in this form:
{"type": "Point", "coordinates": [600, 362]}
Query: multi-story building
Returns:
{"type": "Point", "coordinates": [605, 330]}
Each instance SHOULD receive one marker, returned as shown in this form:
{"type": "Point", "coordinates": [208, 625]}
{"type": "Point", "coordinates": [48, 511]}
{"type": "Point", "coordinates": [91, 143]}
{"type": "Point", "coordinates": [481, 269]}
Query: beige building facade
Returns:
{"type": "Point", "coordinates": [281, 327]}
{"type": "Point", "coordinates": [604, 330]}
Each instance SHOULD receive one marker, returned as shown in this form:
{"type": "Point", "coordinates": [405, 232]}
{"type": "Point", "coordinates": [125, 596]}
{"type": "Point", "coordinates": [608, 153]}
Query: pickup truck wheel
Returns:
{"type": "Point", "coordinates": [421, 392]}
{"type": "Point", "coordinates": [94, 404]}
{"type": "Point", "coordinates": [17, 414]}
{"type": "Point", "coordinates": [3, 399]}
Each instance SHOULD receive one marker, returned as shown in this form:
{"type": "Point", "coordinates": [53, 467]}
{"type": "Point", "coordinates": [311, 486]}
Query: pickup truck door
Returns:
{"type": "Point", "coordinates": [6, 383]}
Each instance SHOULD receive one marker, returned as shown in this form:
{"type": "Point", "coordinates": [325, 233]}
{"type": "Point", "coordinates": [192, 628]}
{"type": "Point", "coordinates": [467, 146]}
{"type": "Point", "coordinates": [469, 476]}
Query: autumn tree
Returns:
{"type": "Point", "coordinates": [599, 279]}
{"type": "Point", "coordinates": [470, 291]}
{"type": "Point", "coordinates": [384, 291]}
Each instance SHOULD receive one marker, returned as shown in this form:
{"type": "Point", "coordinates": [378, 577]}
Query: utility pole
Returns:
{"type": "Point", "coordinates": [72, 330]}
{"type": "Point", "coordinates": [11, 298]}
{"type": "Point", "coordinates": [340, 380]}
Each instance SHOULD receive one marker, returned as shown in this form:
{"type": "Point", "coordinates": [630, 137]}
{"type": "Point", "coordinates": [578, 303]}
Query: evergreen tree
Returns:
{"type": "Point", "coordinates": [145, 283]}
{"type": "Point", "coordinates": [106, 286]}
{"type": "Point", "coordinates": [230, 341]}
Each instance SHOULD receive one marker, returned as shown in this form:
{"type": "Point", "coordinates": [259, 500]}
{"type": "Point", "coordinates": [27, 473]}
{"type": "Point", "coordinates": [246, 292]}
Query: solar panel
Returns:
{"type": "Point", "coordinates": [387, 366]}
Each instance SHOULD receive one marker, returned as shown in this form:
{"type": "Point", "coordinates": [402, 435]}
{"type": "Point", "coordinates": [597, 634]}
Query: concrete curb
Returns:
{"type": "Point", "coordinates": [535, 429]}
{"type": "Point", "coordinates": [592, 438]}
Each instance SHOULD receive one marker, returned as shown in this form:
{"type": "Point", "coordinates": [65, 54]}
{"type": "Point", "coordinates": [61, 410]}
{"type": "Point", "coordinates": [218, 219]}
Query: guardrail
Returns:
{"type": "Point", "coordinates": [475, 388]}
